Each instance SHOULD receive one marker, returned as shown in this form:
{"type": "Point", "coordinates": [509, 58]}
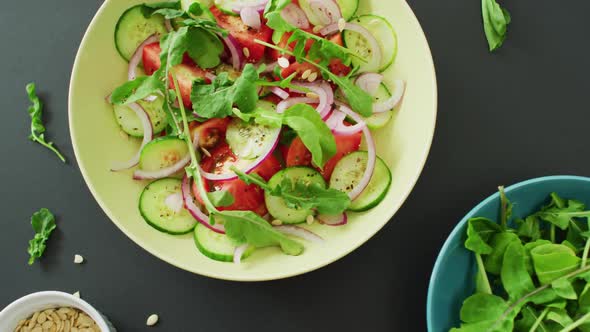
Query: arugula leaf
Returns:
{"type": "Point", "coordinates": [169, 13]}
{"type": "Point", "coordinates": [564, 289]}
{"type": "Point", "coordinates": [552, 261]}
{"type": "Point", "coordinates": [37, 127]}
{"type": "Point", "coordinates": [479, 232]}
{"type": "Point", "coordinates": [515, 277]}
{"type": "Point", "coordinates": [562, 216]}
{"type": "Point", "coordinates": [247, 227]}
{"type": "Point", "coordinates": [314, 132]}
{"type": "Point", "coordinates": [495, 22]}
{"type": "Point", "coordinates": [261, 116]}
{"type": "Point", "coordinates": [302, 194]}
{"type": "Point", "coordinates": [275, 20]}
{"type": "Point", "coordinates": [499, 243]}
{"type": "Point", "coordinates": [200, 44]}
{"type": "Point", "coordinates": [221, 198]}
{"type": "Point", "coordinates": [216, 100]}
{"type": "Point", "coordinates": [560, 316]}
{"type": "Point", "coordinates": [138, 89]}
{"type": "Point", "coordinates": [529, 228]}
{"type": "Point", "coordinates": [43, 223]}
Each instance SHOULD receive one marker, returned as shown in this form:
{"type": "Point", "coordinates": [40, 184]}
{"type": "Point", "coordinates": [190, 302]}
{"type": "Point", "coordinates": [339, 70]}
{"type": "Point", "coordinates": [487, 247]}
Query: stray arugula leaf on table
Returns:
{"type": "Point", "coordinates": [43, 223]}
{"type": "Point", "coordinates": [37, 127]}
{"type": "Point", "coordinates": [530, 277]}
{"type": "Point", "coordinates": [495, 23]}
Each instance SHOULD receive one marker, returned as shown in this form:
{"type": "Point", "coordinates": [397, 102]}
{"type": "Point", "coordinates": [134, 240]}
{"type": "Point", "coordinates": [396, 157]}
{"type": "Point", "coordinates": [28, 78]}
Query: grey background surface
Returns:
{"type": "Point", "coordinates": [517, 114]}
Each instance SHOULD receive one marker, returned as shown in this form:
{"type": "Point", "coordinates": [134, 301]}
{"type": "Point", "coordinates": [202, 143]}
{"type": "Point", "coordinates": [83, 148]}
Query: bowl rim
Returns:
{"type": "Point", "coordinates": [403, 197]}
{"type": "Point", "coordinates": [80, 305]}
{"type": "Point", "coordinates": [459, 226]}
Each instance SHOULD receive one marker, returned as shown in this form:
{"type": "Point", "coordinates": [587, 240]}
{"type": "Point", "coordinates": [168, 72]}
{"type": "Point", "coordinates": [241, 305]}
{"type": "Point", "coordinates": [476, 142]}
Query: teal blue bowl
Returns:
{"type": "Point", "coordinates": [452, 279]}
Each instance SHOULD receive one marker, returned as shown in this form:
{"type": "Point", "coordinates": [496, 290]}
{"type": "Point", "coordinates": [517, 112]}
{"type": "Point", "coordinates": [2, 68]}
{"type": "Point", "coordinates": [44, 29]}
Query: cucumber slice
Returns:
{"type": "Point", "coordinates": [134, 27]}
{"type": "Point", "coordinates": [348, 173]}
{"type": "Point", "coordinates": [130, 123]}
{"type": "Point", "coordinates": [155, 211]}
{"type": "Point", "coordinates": [386, 37]}
{"type": "Point", "coordinates": [161, 153]}
{"type": "Point", "coordinates": [216, 246]}
{"type": "Point", "coordinates": [348, 8]}
{"type": "Point", "coordinates": [250, 140]}
{"type": "Point", "coordinates": [379, 120]}
{"type": "Point", "coordinates": [277, 207]}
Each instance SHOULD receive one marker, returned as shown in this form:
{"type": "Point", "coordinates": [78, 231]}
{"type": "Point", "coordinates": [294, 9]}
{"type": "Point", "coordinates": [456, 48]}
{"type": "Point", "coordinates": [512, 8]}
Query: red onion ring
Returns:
{"type": "Point", "coordinates": [335, 119]}
{"type": "Point", "coordinates": [283, 105]}
{"type": "Point", "coordinates": [336, 124]}
{"type": "Point", "coordinates": [136, 58]}
{"type": "Point", "coordinates": [300, 232]}
{"type": "Point", "coordinates": [295, 16]}
{"type": "Point", "coordinates": [210, 76]}
{"type": "Point", "coordinates": [148, 133]}
{"type": "Point", "coordinates": [369, 82]}
{"type": "Point", "coordinates": [279, 92]}
{"type": "Point", "coordinates": [239, 252]}
{"type": "Point", "coordinates": [325, 93]}
{"type": "Point", "coordinates": [195, 211]}
{"type": "Point", "coordinates": [323, 12]}
{"type": "Point", "coordinates": [373, 43]}
{"type": "Point", "coordinates": [391, 103]}
{"type": "Point", "coordinates": [236, 56]}
{"type": "Point", "coordinates": [251, 17]}
{"type": "Point", "coordinates": [371, 150]}
{"type": "Point", "coordinates": [335, 220]}
{"type": "Point", "coordinates": [162, 173]}
{"type": "Point", "coordinates": [257, 5]}
{"type": "Point", "coordinates": [231, 175]}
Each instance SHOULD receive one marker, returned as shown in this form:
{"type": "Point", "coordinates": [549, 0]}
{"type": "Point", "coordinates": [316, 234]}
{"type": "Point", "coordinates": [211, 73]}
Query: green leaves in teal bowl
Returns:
{"type": "Point", "coordinates": [519, 259]}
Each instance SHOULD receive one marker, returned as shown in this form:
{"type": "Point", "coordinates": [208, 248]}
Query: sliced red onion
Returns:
{"type": "Point", "coordinates": [236, 56]}
{"type": "Point", "coordinates": [136, 58]}
{"type": "Point", "coordinates": [162, 173]}
{"type": "Point", "coordinates": [239, 252]}
{"type": "Point", "coordinates": [195, 211]}
{"type": "Point", "coordinates": [279, 92]}
{"type": "Point", "coordinates": [258, 5]}
{"type": "Point", "coordinates": [295, 16]}
{"type": "Point", "coordinates": [174, 202]}
{"type": "Point", "coordinates": [148, 133]}
{"type": "Point", "coordinates": [299, 232]}
{"type": "Point", "coordinates": [391, 103]}
{"type": "Point", "coordinates": [151, 98]}
{"type": "Point", "coordinates": [283, 105]}
{"type": "Point", "coordinates": [333, 220]}
{"type": "Point", "coordinates": [251, 18]}
{"type": "Point", "coordinates": [371, 150]}
{"type": "Point", "coordinates": [335, 119]}
{"type": "Point", "coordinates": [336, 124]}
{"type": "Point", "coordinates": [168, 25]}
{"type": "Point", "coordinates": [369, 82]}
{"type": "Point", "coordinates": [377, 56]}
{"type": "Point", "coordinates": [271, 146]}
{"type": "Point", "coordinates": [325, 94]}
{"type": "Point", "coordinates": [327, 116]}
{"type": "Point", "coordinates": [323, 12]}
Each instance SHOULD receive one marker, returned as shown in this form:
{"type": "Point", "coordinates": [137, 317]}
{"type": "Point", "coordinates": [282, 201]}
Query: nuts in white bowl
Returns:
{"type": "Point", "coordinates": [57, 310]}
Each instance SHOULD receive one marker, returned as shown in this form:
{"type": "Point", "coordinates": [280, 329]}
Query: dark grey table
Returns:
{"type": "Point", "coordinates": [520, 113]}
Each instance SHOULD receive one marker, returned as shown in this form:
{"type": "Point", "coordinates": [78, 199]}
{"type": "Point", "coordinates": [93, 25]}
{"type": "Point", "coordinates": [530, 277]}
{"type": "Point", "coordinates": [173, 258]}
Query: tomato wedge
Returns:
{"type": "Point", "coordinates": [211, 133]}
{"type": "Point", "coordinates": [298, 154]}
{"type": "Point", "coordinates": [244, 34]}
{"type": "Point", "coordinates": [186, 72]}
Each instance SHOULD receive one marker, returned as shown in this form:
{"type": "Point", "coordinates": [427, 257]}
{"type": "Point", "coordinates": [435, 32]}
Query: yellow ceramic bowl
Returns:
{"type": "Point", "coordinates": [404, 145]}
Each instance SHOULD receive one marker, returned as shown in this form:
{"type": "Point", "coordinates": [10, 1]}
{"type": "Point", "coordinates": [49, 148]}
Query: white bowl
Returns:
{"type": "Point", "coordinates": [25, 306]}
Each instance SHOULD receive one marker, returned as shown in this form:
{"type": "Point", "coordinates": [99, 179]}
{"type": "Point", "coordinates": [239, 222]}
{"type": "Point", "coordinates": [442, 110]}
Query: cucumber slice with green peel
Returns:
{"type": "Point", "coordinates": [134, 27]}
{"type": "Point", "coordinates": [156, 211]}
{"type": "Point", "coordinates": [161, 153]}
{"type": "Point", "coordinates": [216, 246]}
{"type": "Point", "coordinates": [250, 140]}
{"type": "Point", "coordinates": [350, 170]}
{"type": "Point", "coordinates": [276, 205]}
{"type": "Point", "coordinates": [130, 123]}
{"type": "Point", "coordinates": [348, 8]}
{"type": "Point", "coordinates": [385, 35]}
{"type": "Point", "coordinates": [380, 120]}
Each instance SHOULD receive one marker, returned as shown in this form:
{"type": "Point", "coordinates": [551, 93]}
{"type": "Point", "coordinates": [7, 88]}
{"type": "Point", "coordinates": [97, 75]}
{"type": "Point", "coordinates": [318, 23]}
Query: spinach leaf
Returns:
{"type": "Point", "coordinates": [479, 232]}
{"type": "Point", "coordinates": [495, 22]}
{"type": "Point", "coordinates": [246, 227]}
{"type": "Point", "coordinates": [552, 261]}
{"type": "Point", "coordinates": [37, 127]}
{"type": "Point", "coordinates": [43, 223]}
{"type": "Point", "coordinates": [515, 278]}
{"type": "Point", "coordinates": [216, 100]}
{"type": "Point", "coordinates": [314, 132]}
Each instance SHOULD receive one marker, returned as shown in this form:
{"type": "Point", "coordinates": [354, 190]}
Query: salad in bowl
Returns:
{"type": "Point", "coordinates": [255, 117]}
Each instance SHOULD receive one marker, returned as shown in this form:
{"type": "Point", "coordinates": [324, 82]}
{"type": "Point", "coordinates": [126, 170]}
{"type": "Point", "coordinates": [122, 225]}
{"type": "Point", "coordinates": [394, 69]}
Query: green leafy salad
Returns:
{"type": "Point", "coordinates": [533, 273]}
{"type": "Point", "coordinates": [254, 117]}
